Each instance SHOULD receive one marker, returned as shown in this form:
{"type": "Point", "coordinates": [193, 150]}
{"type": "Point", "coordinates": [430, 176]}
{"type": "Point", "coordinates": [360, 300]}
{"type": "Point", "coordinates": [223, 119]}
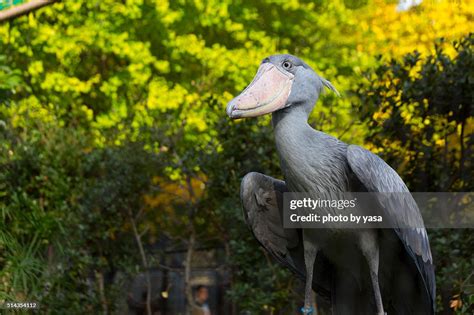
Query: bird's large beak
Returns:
{"type": "Point", "coordinates": [267, 93]}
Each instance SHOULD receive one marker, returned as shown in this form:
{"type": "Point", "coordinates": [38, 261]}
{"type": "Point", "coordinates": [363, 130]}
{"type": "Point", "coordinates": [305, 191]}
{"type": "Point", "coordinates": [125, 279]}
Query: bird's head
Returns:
{"type": "Point", "coordinates": [281, 81]}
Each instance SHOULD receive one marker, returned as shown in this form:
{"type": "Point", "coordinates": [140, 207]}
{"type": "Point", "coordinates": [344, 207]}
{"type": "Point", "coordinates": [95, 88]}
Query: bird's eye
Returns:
{"type": "Point", "coordinates": [287, 65]}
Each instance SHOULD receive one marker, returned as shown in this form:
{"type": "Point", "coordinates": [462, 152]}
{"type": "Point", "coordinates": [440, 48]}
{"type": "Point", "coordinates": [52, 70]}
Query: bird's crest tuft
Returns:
{"type": "Point", "coordinates": [328, 84]}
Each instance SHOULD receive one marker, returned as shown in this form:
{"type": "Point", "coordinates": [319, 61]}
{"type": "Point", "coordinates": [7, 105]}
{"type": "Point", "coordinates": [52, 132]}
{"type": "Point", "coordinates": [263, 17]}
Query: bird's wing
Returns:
{"type": "Point", "coordinates": [262, 200]}
{"type": "Point", "coordinates": [400, 209]}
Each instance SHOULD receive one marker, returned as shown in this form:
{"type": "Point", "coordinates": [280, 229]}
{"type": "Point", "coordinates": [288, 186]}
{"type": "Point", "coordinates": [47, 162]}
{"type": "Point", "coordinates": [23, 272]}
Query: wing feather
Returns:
{"type": "Point", "coordinates": [400, 209]}
{"type": "Point", "coordinates": [262, 200]}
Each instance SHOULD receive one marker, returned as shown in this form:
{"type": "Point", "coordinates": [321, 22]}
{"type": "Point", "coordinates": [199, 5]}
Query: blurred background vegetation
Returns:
{"type": "Point", "coordinates": [115, 146]}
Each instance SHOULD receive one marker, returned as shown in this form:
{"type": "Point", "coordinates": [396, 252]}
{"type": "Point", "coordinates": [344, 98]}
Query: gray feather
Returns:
{"type": "Point", "coordinates": [329, 85]}
{"type": "Point", "coordinates": [401, 210]}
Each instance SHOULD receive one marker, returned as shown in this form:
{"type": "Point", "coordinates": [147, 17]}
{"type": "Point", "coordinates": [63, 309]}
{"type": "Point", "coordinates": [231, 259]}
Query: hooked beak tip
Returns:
{"type": "Point", "coordinates": [230, 110]}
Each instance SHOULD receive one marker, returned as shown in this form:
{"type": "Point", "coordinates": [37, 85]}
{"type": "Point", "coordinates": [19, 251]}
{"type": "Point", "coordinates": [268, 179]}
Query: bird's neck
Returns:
{"type": "Point", "coordinates": [290, 122]}
{"type": "Point", "coordinates": [310, 160]}
{"type": "Point", "coordinates": [291, 131]}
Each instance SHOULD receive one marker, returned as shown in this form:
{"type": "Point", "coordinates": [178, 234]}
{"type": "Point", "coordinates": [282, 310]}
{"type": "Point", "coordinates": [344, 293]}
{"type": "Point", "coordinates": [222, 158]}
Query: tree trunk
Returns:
{"type": "Point", "coordinates": [187, 274]}
{"type": "Point", "coordinates": [230, 270]}
{"type": "Point", "coordinates": [103, 301]}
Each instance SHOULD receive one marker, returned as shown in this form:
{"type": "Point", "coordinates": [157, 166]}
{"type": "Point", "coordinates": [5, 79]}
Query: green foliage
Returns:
{"type": "Point", "coordinates": [419, 111]}
{"type": "Point", "coordinates": [36, 196]}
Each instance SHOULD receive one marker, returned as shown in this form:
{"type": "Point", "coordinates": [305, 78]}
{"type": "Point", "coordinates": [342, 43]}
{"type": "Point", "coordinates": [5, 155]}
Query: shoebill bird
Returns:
{"type": "Point", "coordinates": [357, 271]}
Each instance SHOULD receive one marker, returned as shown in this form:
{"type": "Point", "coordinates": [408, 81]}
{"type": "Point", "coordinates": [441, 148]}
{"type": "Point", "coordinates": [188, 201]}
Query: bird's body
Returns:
{"type": "Point", "coordinates": [314, 162]}
{"type": "Point", "coordinates": [361, 271]}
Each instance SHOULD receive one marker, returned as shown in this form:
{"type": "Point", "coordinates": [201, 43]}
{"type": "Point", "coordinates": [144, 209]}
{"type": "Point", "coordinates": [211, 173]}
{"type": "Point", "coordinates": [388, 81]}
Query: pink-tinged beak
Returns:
{"type": "Point", "coordinates": [268, 92]}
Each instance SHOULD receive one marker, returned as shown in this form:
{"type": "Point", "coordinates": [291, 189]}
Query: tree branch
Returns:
{"type": "Point", "coordinates": [23, 9]}
{"type": "Point", "coordinates": [144, 261]}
